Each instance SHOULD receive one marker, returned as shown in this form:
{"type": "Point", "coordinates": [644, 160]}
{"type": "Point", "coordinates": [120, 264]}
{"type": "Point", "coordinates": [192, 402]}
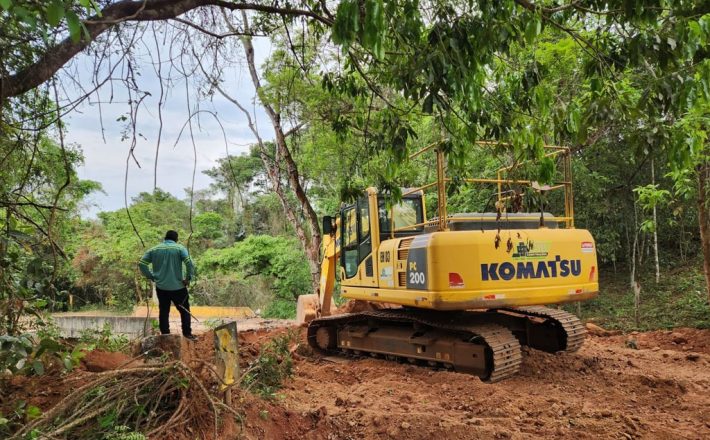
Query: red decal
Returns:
{"type": "Point", "coordinates": [455, 280]}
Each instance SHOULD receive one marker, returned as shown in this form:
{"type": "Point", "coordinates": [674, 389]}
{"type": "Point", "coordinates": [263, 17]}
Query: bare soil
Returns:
{"type": "Point", "coordinates": [605, 390]}
{"type": "Point", "coordinates": [644, 385]}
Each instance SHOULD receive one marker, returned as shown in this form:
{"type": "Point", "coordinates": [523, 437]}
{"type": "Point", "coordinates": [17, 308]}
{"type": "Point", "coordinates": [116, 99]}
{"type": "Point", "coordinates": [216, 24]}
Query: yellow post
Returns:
{"type": "Point", "coordinates": [568, 162]}
{"type": "Point", "coordinates": [441, 186]}
{"type": "Point", "coordinates": [500, 186]}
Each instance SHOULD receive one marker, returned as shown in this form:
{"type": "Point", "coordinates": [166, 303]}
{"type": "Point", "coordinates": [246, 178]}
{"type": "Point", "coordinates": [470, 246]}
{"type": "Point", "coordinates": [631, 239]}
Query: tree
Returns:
{"type": "Point", "coordinates": [442, 58]}
{"type": "Point", "coordinates": [234, 175]}
{"type": "Point", "coordinates": [38, 209]}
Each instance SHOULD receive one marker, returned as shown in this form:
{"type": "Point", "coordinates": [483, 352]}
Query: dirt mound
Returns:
{"type": "Point", "coordinates": [679, 339]}
{"type": "Point", "coordinates": [40, 391]}
{"type": "Point", "coordinates": [595, 330]}
{"type": "Point", "coordinates": [99, 360]}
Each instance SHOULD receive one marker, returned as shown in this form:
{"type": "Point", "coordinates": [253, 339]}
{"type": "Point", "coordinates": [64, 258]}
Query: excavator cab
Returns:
{"type": "Point", "coordinates": [368, 222]}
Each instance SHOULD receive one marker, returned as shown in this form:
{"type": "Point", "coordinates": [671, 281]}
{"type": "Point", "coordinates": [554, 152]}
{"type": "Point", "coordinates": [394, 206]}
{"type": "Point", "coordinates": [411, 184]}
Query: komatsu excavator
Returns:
{"type": "Point", "coordinates": [458, 291]}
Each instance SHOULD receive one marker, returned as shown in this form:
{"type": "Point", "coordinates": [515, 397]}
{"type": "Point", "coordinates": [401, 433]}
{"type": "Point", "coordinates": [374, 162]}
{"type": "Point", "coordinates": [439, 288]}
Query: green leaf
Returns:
{"type": "Point", "coordinates": [107, 420]}
{"type": "Point", "coordinates": [6, 4]}
{"type": "Point", "coordinates": [38, 367]}
{"type": "Point", "coordinates": [50, 344]}
{"type": "Point", "coordinates": [55, 12]}
{"type": "Point", "coordinates": [33, 412]}
{"type": "Point", "coordinates": [533, 28]}
{"type": "Point", "coordinates": [74, 25]}
{"type": "Point", "coordinates": [346, 24]}
{"type": "Point", "coordinates": [546, 171]}
{"type": "Point", "coordinates": [373, 27]}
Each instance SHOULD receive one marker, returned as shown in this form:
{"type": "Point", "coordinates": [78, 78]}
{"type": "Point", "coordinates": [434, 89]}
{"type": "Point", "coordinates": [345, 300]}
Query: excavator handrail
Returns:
{"type": "Point", "coordinates": [442, 218]}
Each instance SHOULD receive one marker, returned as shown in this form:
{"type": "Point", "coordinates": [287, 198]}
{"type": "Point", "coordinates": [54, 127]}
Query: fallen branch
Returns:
{"type": "Point", "coordinates": [147, 399]}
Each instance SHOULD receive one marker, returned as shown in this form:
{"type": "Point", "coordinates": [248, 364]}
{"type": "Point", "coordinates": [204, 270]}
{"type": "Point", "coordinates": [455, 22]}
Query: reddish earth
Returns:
{"type": "Point", "coordinates": [658, 390]}
{"type": "Point", "coordinates": [606, 390]}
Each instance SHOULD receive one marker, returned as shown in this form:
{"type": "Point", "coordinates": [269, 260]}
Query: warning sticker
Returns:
{"type": "Point", "coordinates": [587, 247]}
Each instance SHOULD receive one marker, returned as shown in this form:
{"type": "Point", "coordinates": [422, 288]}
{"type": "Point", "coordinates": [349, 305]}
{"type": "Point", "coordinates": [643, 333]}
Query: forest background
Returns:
{"type": "Point", "coordinates": [348, 94]}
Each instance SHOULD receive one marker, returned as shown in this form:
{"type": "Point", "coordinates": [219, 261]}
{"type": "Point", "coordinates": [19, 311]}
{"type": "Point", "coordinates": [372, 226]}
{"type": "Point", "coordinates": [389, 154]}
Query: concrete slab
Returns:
{"type": "Point", "coordinates": [73, 326]}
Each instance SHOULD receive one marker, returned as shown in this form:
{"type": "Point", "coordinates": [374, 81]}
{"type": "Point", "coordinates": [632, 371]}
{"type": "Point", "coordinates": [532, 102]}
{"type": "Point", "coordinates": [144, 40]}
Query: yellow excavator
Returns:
{"type": "Point", "coordinates": [461, 291]}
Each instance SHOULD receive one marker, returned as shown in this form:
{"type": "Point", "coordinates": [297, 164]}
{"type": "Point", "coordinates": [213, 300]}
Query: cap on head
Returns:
{"type": "Point", "coordinates": [171, 235]}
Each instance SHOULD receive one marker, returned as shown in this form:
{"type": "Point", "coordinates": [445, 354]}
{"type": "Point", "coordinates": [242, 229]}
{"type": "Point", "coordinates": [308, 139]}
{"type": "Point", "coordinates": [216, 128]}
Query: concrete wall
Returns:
{"type": "Point", "coordinates": [71, 326]}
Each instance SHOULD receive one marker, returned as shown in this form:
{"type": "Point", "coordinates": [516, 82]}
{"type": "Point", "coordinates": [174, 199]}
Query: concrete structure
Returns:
{"type": "Point", "coordinates": [139, 322]}
{"type": "Point", "coordinates": [71, 325]}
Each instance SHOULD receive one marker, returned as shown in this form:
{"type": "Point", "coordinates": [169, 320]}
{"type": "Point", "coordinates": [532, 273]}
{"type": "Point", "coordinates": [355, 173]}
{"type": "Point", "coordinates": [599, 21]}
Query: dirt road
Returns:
{"type": "Point", "coordinates": [660, 389]}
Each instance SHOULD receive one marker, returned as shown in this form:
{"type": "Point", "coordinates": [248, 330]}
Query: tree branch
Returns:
{"type": "Point", "coordinates": [212, 34]}
{"type": "Point", "coordinates": [57, 56]}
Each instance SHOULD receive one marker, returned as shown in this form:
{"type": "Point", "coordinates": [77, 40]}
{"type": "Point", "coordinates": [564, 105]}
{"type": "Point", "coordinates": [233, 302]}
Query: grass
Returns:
{"type": "Point", "coordinates": [102, 309]}
{"type": "Point", "coordinates": [272, 367]}
{"type": "Point", "coordinates": [678, 300]}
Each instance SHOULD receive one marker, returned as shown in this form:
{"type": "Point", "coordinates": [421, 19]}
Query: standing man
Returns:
{"type": "Point", "coordinates": [167, 259]}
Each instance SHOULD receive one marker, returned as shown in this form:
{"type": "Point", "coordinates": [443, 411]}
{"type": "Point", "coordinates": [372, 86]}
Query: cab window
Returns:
{"type": "Point", "coordinates": [349, 241]}
{"type": "Point", "coordinates": [364, 232]}
{"type": "Point", "coordinates": [406, 213]}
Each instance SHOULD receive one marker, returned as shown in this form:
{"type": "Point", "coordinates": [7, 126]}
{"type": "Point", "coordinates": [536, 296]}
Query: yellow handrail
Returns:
{"type": "Point", "coordinates": [442, 180]}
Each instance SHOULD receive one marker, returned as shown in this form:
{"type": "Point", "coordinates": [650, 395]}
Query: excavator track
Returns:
{"type": "Point", "coordinates": [572, 331]}
{"type": "Point", "coordinates": [459, 341]}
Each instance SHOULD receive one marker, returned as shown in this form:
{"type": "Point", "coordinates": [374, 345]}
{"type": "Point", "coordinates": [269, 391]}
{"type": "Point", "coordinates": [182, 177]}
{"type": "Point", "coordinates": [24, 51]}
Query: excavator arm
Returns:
{"type": "Point", "coordinates": [319, 304]}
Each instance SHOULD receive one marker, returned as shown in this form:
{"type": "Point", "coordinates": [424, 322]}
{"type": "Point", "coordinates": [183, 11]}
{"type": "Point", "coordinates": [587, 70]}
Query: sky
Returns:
{"type": "Point", "coordinates": [105, 161]}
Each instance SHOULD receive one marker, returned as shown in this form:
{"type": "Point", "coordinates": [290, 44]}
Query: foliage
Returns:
{"type": "Point", "coordinates": [679, 300]}
{"type": "Point", "coordinates": [280, 309]}
{"type": "Point", "coordinates": [22, 354]}
{"type": "Point", "coordinates": [103, 339]}
{"type": "Point", "coordinates": [41, 197]}
{"type": "Point", "coordinates": [276, 257]}
{"type": "Point", "coordinates": [22, 412]}
{"type": "Point", "coordinates": [123, 432]}
{"type": "Point", "coordinates": [265, 374]}
{"type": "Point", "coordinates": [44, 18]}
{"type": "Point", "coordinates": [625, 84]}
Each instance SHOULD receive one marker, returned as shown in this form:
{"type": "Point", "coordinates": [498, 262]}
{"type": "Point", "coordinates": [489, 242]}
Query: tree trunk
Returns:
{"type": "Point", "coordinates": [312, 246]}
{"type": "Point", "coordinates": [704, 220]}
{"type": "Point", "coordinates": [655, 227]}
{"type": "Point", "coordinates": [632, 281]}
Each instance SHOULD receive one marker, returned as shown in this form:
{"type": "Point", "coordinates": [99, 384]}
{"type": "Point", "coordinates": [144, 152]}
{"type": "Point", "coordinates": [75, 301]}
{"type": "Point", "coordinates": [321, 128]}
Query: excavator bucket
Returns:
{"type": "Point", "coordinates": [306, 308]}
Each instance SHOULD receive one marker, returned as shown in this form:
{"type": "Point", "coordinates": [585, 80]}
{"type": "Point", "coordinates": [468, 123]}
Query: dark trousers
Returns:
{"type": "Point", "coordinates": [180, 299]}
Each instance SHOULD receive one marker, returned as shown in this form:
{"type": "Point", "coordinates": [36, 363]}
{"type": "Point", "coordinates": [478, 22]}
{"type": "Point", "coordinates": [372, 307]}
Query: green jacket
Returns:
{"type": "Point", "coordinates": [167, 259]}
